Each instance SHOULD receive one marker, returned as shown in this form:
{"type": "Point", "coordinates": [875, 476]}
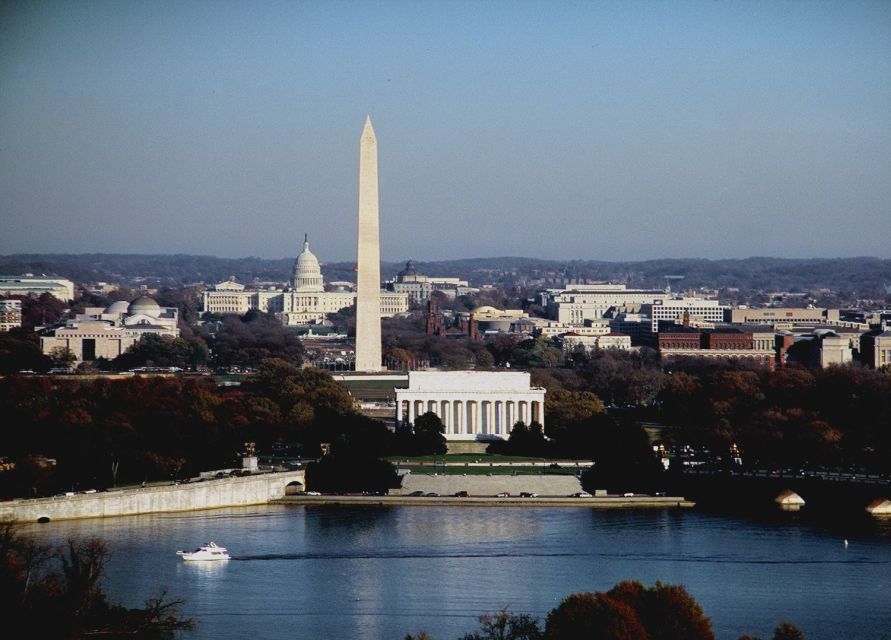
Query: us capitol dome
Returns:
{"type": "Point", "coordinates": [304, 303]}
{"type": "Point", "coordinates": [307, 272]}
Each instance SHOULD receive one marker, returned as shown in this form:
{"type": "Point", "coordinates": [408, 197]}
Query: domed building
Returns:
{"type": "Point", "coordinates": [117, 309]}
{"type": "Point", "coordinates": [307, 271]}
{"type": "Point", "coordinates": [409, 272]}
{"type": "Point", "coordinates": [143, 304]}
{"type": "Point", "coordinates": [489, 319]}
{"type": "Point", "coordinates": [419, 288]}
{"type": "Point", "coordinates": [305, 303]}
{"type": "Point", "coordinates": [107, 332]}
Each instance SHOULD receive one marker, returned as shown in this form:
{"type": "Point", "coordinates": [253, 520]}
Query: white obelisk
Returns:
{"type": "Point", "coordinates": [368, 290]}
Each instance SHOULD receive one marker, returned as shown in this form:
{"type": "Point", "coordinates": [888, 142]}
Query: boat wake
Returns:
{"type": "Point", "coordinates": [408, 555]}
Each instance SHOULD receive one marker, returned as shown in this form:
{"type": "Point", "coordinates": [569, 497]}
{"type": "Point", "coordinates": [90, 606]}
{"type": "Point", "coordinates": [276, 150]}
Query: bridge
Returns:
{"type": "Point", "coordinates": [790, 490]}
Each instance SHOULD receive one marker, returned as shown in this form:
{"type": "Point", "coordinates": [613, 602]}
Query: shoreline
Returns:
{"type": "Point", "coordinates": [597, 502]}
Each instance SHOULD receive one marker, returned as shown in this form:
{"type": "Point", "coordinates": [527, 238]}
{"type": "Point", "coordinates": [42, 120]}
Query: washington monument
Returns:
{"type": "Point", "coordinates": [368, 290]}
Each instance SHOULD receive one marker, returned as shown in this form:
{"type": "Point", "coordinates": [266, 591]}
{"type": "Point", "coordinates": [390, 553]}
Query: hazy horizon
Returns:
{"type": "Point", "coordinates": [612, 131]}
{"type": "Point", "coordinates": [422, 260]}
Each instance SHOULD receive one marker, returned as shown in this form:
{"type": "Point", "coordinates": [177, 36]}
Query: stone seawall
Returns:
{"type": "Point", "coordinates": [192, 496]}
{"type": "Point", "coordinates": [596, 502]}
{"type": "Point", "coordinates": [480, 485]}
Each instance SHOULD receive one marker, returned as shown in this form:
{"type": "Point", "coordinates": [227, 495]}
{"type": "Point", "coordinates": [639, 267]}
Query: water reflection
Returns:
{"type": "Point", "coordinates": [319, 572]}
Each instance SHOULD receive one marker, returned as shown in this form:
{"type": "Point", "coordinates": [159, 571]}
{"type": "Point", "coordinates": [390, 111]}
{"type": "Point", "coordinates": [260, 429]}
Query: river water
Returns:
{"type": "Point", "coordinates": [381, 572]}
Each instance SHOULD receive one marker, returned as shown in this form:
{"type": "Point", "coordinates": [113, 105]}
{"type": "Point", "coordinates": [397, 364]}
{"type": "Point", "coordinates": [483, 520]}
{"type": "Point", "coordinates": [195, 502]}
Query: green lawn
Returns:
{"type": "Point", "coordinates": [359, 384]}
{"type": "Point", "coordinates": [497, 471]}
{"type": "Point", "coordinates": [470, 457]}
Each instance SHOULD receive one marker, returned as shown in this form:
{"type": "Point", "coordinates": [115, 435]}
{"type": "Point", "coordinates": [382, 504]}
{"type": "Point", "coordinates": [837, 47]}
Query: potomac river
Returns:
{"type": "Point", "coordinates": [308, 572]}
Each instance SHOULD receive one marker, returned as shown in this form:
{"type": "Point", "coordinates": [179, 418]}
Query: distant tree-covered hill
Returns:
{"type": "Point", "coordinates": [859, 276]}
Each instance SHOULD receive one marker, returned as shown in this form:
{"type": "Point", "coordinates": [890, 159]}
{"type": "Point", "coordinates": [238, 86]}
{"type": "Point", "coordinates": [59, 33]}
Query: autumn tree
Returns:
{"type": "Point", "coordinates": [504, 625]}
{"type": "Point", "coordinates": [630, 611]}
{"type": "Point", "coordinates": [570, 415]}
{"type": "Point", "coordinates": [787, 631]}
{"type": "Point", "coordinates": [20, 350]}
{"type": "Point", "coordinates": [582, 616]}
{"type": "Point", "coordinates": [163, 351]}
{"type": "Point", "coordinates": [61, 596]}
{"type": "Point", "coordinates": [249, 339]}
{"type": "Point", "coordinates": [536, 352]}
{"type": "Point", "coordinates": [41, 311]}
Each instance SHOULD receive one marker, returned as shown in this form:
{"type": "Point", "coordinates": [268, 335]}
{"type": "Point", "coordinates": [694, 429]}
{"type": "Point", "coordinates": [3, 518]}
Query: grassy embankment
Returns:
{"type": "Point", "coordinates": [486, 464]}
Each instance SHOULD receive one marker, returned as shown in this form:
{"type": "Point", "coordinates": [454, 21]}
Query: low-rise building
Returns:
{"type": "Point", "coordinates": [551, 328]}
{"type": "Point", "coordinates": [108, 332]}
{"type": "Point", "coordinates": [834, 350]}
{"type": "Point", "coordinates": [875, 348]}
{"type": "Point", "coordinates": [491, 320]}
{"type": "Point", "coordinates": [636, 325]}
{"type": "Point", "coordinates": [574, 341]}
{"type": "Point", "coordinates": [580, 302]}
{"type": "Point", "coordinates": [783, 316]}
{"type": "Point", "coordinates": [10, 314]}
{"type": "Point", "coordinates": [31, 285]}
{"type": "Point", "coordinates": [717, 345]}
{"type": "Point", "coordinates": [683, 310]}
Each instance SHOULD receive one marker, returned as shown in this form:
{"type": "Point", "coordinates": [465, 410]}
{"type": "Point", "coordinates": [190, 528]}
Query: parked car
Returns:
{"type": "Point", "coordinates": [461, 494]}
{"type": "Point", "coordinates": [312, 493]}
{"type": "Point", "coordinates": [502, 494]}
{"type": "Point", "coordinates": [416, 493]}
{"type": "Point", "coordinates": [432, 494]}
{"type": "Point", "coordinates": [628, 495]}
{"type": "Point", "coordinates": [528, 494]}
{"type": "Point", "coordinates": [581, 494]}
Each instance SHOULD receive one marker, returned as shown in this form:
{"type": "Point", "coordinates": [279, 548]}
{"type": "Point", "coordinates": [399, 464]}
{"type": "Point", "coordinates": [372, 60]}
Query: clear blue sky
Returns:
{"type": "Point", "coordinates": [591, 130]}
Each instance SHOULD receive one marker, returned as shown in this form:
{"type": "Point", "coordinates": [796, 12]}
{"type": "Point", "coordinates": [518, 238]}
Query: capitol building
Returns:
{"type": "Point", "coordinates": [305, 303]}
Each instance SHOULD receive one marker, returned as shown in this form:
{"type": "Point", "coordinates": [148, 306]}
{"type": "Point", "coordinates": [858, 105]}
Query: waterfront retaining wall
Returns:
{"type": "Point", "coordinates": [192, 496]}
{"type": "Point", "coordinates": [484, 485]}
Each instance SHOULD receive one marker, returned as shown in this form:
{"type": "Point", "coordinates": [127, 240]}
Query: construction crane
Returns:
{"type": "Point", "coordinates": [668, 280]}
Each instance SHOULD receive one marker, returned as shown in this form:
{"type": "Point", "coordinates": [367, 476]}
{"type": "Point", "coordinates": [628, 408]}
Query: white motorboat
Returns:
{"type": "Point", "coordinates": [209, 551]}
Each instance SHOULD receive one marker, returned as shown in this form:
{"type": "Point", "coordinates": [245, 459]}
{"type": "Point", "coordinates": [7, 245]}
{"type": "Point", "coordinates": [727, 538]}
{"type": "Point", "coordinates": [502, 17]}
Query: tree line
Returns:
{"type": "Point", "coordinates": [95, 433]}
{"type": "Point", "coordinates": [50, 592]}
{"type": "Point", "coordinates": [776, 274]}
{"type": "Point", "coordinates": [628, 611]}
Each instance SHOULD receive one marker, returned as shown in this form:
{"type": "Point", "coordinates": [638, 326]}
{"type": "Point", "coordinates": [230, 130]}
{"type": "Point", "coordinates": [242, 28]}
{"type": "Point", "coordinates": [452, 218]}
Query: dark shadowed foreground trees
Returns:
{"type": "Point", "coordinates": [46, 593]}
{"type": "Point", "coordinates": [790, 418]}
{"type": "Point", "coordinates": [628, 611]}
{"type": "Point", "coordinates": [20, 351]}
{"type": "Point", "coordinates": [118, 431]}
{"type": "Point", "coordinates": [163, 351]}
{"type": "Point", "coordinates": [248, 339]}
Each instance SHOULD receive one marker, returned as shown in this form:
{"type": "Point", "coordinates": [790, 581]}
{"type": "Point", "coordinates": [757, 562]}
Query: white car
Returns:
{"type": "Point", "coordinates": [312, 493]}
{"type": "Point", "coordinates": [581, 494]}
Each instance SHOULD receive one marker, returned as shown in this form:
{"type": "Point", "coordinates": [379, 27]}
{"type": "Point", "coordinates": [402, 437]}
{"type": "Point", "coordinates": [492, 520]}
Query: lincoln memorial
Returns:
{"type": "Point", "coordinates": [473, 405]}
